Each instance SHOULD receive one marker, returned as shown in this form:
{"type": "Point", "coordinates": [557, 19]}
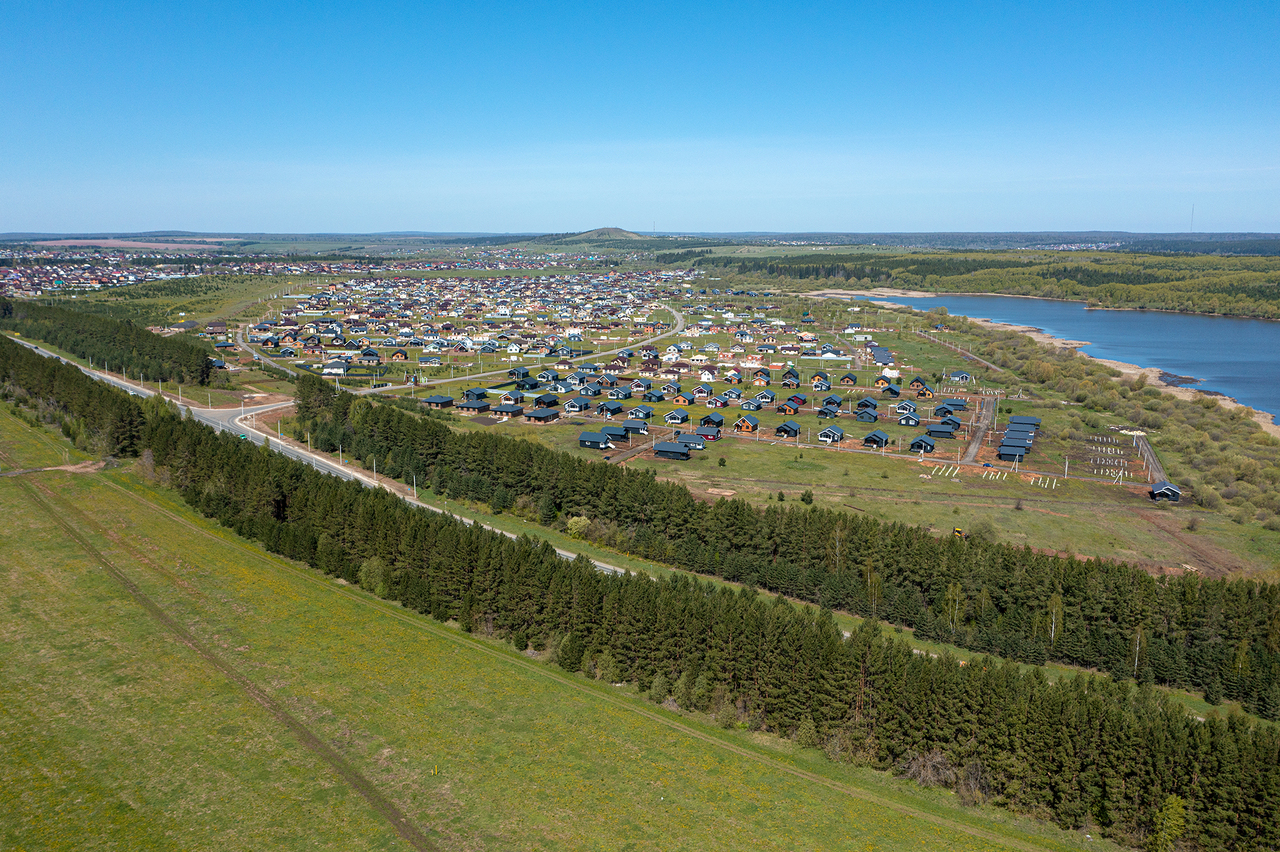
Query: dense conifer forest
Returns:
{"type": "Point", "coordinates": [120, 346]}
{"type": "Point", "coordinates": [1239, 286]}
{"type": "Point", "coordinates": [1086, 752]}
{"type": "Point", "coordinates": [1221, 637]}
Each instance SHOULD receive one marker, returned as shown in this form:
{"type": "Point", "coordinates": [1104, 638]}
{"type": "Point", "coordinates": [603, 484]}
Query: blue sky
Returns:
{"type": "Point", "coordinates": [532, 116]}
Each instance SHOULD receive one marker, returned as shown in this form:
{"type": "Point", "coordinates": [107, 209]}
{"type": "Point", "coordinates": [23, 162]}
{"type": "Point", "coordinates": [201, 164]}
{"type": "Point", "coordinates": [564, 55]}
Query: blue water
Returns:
{"type": "Point", "coordinates": [1236, 357]}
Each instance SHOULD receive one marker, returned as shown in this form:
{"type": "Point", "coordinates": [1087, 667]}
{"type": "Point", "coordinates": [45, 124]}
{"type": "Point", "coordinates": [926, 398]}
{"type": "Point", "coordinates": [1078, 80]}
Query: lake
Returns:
{"type": "Point", "coordinates": [1236, 357]}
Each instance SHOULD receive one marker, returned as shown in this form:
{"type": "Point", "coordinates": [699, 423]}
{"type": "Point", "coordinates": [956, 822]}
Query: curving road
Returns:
{"type": "Point", "coordinates": [240, 421]}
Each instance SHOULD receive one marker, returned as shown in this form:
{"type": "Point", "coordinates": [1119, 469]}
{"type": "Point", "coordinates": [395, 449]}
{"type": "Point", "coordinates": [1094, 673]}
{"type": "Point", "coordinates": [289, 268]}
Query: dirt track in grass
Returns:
{"type": "Point", "coordinates": [340, 766]}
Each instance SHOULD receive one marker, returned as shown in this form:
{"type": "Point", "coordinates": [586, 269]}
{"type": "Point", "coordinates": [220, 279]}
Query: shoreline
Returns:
{"type": "Point", "coordinates": [890, 292]}
{"type": "Point", "coordinates": [1155, 376]}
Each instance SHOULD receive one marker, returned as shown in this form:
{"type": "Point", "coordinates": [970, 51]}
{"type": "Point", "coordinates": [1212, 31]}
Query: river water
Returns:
{"type": "Point", "coordinates": [1236, 357]}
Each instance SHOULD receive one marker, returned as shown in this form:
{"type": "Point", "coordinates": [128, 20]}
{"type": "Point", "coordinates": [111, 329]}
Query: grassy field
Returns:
{"type": "Point", "coordinates": [168, 302]}
{"type": "Point", "coordinates": [514, 525]}
{"type": "Point", "coordinates": [121, 730]}
{"type": "Point", "coordinates": [25, 447]}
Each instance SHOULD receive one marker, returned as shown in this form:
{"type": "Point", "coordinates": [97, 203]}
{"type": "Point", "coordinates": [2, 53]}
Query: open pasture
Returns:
{"type": "Point", "coordinates": [119, 732]}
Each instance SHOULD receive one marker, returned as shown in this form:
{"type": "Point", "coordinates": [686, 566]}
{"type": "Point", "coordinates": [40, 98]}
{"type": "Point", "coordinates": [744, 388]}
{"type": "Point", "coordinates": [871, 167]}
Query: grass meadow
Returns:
{"type": "Point", "coordinates": [115, 734]}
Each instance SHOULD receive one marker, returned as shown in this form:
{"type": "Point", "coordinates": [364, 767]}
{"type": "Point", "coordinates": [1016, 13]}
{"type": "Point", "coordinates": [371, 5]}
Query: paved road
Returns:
{"type": "Point", "coordinates": [240, 421]}
{"type": "Point", "coordinates": [279, 365]}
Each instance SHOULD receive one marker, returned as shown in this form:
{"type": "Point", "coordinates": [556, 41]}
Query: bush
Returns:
{"type": "Point", "coordinates": [807, 497]}
{"type": "Point", "coordinates": [928, 770]}
{"type": "Point", "coordinates": [659, 689]}
{"type": "Point", "coordinates": [984, 530]}
{"type": "Point", "coordinates": [375, 577]}
{"type": "Point", "coordinates": [569, 654]}
{"type": "Point", "coordinates": [807, 734]}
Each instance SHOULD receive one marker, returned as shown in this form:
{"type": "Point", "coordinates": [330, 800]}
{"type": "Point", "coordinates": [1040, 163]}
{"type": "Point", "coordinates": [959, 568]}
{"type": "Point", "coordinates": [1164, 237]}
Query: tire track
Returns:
{"type": "Point", "coordinates": [340, 766]}
{"type": "Point", "coordinates": [419, 622]}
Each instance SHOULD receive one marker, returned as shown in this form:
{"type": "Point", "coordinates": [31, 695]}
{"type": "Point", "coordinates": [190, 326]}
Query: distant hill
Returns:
{"type": "Point", "coordinates": [604, 234]}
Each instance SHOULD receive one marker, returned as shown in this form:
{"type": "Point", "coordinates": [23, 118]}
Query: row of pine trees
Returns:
{"type": "Point", "coordinates": [1086, 752]}
{"type": "Point", "coordinates": [1217, 636]}
{"type": "Point", "coordinates": [112, 344]}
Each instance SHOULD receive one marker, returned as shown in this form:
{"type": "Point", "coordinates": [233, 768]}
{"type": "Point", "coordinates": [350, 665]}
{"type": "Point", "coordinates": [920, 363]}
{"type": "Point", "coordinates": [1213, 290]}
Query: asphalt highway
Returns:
{"type": "Point", "coordinates": [240, 421]}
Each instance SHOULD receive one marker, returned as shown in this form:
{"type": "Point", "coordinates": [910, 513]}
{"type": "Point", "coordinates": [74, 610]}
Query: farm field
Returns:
{"type": "Point", "coordinates": [199, 299]}
{"type": "Point", "coordinates": [118, 732]}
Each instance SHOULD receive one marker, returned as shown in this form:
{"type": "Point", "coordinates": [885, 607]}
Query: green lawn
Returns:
{"type": "Point", "coordinates": [23, 446]}
{"type": "Point", "coordinates": [116, 735]}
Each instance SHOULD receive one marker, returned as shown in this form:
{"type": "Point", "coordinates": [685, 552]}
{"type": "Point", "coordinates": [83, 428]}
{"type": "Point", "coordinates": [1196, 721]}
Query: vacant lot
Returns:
{"type": "Point", "coordinates": [159, 726]}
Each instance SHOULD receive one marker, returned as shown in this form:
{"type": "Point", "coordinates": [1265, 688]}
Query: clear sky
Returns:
{"type": "Point", "coordinates": [688, 116]}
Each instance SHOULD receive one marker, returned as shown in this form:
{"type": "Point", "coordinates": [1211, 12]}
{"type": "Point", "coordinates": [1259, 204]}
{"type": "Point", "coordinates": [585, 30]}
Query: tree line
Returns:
{"type": "Point", "coordinates": [1220, 637]}
{"type": "Point", "coordinates": [1086, 752]}
{"type": "Point", "coordinates": [1238, 286]}
{"type": "Point", "coordinates": [114, 344]}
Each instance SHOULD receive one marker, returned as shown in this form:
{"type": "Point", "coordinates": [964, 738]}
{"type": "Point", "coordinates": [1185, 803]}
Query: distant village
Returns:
{"type": "Point", "coordinates": [584, 345]}
{"type": "Point", "coordinates": [32, 272]}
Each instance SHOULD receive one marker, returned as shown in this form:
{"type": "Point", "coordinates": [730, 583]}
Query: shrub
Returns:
{"type": "Point", "coordinates": [659, 689]}
{"type": "Point", "coordinates": [375, 576]}
{"type": "Point", "coordinates": [807, 734]}
{"type": "Point", "coordinates": [569, 654]}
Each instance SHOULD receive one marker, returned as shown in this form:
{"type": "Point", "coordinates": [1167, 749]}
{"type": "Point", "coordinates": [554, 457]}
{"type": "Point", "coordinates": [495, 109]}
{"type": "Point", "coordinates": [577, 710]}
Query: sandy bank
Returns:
{"type": "Point", "coordinates": [1154, 375]}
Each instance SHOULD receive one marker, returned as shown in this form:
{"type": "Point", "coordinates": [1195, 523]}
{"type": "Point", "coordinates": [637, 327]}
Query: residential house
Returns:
{"type": "Point", "coordinates": [541, 415]}
{"type": "Point", "coordinates": [671, 450]}
{"type": "Point", "coordinates": [922, 444]}
{"type": "Point", "coordinates": [610, 408]}
{"type": "Point", "coordinates": [876, 440]}
{"type": "Point", "coordinates": [594, 441]}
